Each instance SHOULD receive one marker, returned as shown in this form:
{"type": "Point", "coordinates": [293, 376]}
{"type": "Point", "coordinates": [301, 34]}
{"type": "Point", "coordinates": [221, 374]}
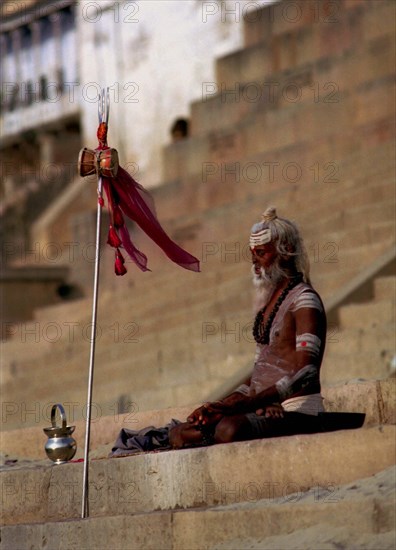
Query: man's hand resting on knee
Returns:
{"type": "Point", "coordinates": [207, 414]}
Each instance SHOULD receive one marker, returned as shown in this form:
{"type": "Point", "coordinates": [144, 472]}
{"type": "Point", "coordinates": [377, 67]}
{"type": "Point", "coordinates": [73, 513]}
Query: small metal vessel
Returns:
{"type": "Point", "coordinates": [60, 446]}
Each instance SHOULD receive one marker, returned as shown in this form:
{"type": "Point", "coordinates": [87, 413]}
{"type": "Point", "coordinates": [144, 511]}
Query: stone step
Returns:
{"type": "Point", "coordinates": [371, 234]}
{"type": "Point", "coordinates": [215, 303]}
{"type": "Point", "coordinates": [147, 383]}
{"type": "Point", "coordinates": [141, 380]}
{"type": "Point", "coordinates": [122, 368]}
{"type": "Point", "coordinates": [276, 20]}
{"type": "Point", "coordinates": [231, 282]}
{"type": "Point", "coordinates": [258, 134]}
{"type": "Point", "coordinates": [368, 315]}
{"type": "Point", "coordinates": [250, 132]}
{"type": "Point", "coordinates": [229, 249]}
{"type": "Point", "coordinates": [253, 65]}
{"type": "Point", "coordinates": [250, 214]}
{"type": "Point", "coordinates": [263, 520]}
{"type": "Point", "coordinates": [385, 288]}
{"type": "Point", "coordinates": [336, 200]}
{"type": "Point", "coordinates": [322, 199]}
{"type": "Point", "coordinates": [173, 341]}
{"type": "Point", "coordinates": [329, 283]}
{"type": "Point", "coordinates": [73, 353]}
{"type": "Point", "coordinates": [247, 81]}
{"type": "Point", "coordinates": [333, 257]}
{"type": "Point", "coordinates": [381, 231]}
{"type": "Point", "coordinates": [375, 398]}
{"type": "Point", "coordinates": [356, 162]}
{"type": "Point", "coordinates": [245, 527]}
{"type": "Point", "coordinates": [155, 312]}
{"type": "Point", "coordinates": [324, 203]}
{"type": "Point", "coordinates": [342, 367]}
{"type": "Point", "coordinates": [180, 479]}
{"type": "Point", "coordinates": [293, 42]}
{"type": "Point", "coordinates": [329, 252]}
{"type": "Point", "coordinates": [273, 22]}
{"type": "Point", "coordinates": [50, 329]}
{"type": "Point", "coordinates": [163, 374]}
{"type": "Point", "coordinates": [119, 329]}
{"type": "Point", "coordinates": [113, 358]}
{"type": "Point", "coordinates": [379, 213]}
{"type": "Point", "coordinates": [355, 340]}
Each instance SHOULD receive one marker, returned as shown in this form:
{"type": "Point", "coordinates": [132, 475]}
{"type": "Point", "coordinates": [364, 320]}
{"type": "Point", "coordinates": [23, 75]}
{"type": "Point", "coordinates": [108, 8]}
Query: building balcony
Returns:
{"type": "Point", "coordinates": [37, 114]}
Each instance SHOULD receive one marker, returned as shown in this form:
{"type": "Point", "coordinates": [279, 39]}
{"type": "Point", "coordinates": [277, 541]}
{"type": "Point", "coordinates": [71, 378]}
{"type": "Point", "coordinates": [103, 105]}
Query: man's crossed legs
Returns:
{"type": "Point", "coordinates": [243, 427]}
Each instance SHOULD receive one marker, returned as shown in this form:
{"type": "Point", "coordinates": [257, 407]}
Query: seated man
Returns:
{"type": "Point", "coordinates": [282, 396]}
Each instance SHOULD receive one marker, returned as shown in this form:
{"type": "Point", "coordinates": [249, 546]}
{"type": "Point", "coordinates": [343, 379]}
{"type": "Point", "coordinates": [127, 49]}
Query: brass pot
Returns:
{"type": "Point", "coordinates": [60, 446]}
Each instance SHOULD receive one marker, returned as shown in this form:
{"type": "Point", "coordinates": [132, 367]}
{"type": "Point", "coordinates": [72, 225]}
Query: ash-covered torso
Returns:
{"type": "Point", "coordinates": [292, 359]}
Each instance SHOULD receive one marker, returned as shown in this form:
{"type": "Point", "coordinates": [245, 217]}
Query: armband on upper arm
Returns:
{"type": "Point", "coordinates": [308, 342]}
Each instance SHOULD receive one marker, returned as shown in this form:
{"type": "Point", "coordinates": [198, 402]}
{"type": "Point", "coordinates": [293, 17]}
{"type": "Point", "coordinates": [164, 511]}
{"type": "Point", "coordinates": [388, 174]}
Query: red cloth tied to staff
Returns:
{"type": "Point", "coordinates": [127, 196]}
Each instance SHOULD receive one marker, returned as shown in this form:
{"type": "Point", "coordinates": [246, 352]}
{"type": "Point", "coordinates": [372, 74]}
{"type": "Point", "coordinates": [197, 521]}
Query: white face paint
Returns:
{"type": "Point", "coordinates": [261, 237]}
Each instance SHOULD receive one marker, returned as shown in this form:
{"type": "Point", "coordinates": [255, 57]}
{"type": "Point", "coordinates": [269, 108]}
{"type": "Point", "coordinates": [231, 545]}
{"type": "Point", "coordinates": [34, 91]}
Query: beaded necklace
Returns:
{"type": "Point", "coordinates": [261, 332]}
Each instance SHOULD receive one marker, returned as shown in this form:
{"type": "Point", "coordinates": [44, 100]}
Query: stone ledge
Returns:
{"type": "Point", "coordinates": [196, 478]}
{"type": "Point", "coordinates": [376, 398]}
{"type": "Point", "coordinates": [35, 273]}
{"type": "Point", "coordinates": [368, 504]}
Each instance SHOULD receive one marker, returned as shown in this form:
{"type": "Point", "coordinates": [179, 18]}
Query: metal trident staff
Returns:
{"type": "Point", "coordinates": [103, 113]}
{"type": "Point", "coordinates": [125, 196]}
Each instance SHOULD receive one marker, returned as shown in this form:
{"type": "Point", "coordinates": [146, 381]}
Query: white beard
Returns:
{"type": "Point", "coordinates": [262, 287]}
{"type": "Point", "coordinates": [265, 283]}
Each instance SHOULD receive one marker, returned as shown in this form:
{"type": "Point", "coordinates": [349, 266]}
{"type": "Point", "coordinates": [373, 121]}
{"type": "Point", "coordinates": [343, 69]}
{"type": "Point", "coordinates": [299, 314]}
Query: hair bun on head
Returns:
{"type": "Point", "coordinates": [269, 214]}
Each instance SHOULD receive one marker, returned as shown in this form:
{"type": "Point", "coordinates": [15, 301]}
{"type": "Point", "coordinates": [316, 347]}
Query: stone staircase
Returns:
{"type": "Point", "coordinates": [362, 344]}
{"type": "Point", "coordinates": [297, 521]}
{"type": "Point", "coordinates": [173, 338]}
{"type": "Point", "coordinates": [288, 492]}
{"type": "Point", "coordinates": [175, 344]}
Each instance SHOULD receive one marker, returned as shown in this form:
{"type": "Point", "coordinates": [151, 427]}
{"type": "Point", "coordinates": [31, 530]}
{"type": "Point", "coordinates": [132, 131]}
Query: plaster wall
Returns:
{"type": "Point", "coordinates": [155, 57]}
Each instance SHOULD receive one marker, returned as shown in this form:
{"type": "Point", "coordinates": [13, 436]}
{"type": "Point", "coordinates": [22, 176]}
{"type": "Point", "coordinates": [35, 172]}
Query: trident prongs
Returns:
{"type": "Point", "coordinates": [104, 106]}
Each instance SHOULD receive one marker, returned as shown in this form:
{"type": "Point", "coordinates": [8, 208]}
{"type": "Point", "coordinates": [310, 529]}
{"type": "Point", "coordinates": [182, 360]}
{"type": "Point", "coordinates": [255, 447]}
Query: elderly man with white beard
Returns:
{"type": "Point", "coordinates": [282, 396]}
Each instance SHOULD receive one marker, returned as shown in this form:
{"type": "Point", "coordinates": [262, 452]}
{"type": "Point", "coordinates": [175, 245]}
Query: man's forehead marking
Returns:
{"type": "Point", "coordinates": [263, 236]}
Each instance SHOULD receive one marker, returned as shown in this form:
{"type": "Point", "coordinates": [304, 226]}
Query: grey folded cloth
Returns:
{"type": "Point", "coordinates": [146, 439]}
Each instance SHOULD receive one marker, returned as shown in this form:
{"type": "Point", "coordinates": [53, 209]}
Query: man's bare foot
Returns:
{"type": "Point", "coordinates": [271, 411]}
{"type": "Point", "coordinates": [175, 437]}
{"type": "Point", "coordinates": [184, 435]}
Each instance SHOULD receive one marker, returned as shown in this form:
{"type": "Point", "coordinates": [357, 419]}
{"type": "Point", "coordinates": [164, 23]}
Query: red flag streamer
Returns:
{"type": "Point", "coordinates": [126, 196]}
